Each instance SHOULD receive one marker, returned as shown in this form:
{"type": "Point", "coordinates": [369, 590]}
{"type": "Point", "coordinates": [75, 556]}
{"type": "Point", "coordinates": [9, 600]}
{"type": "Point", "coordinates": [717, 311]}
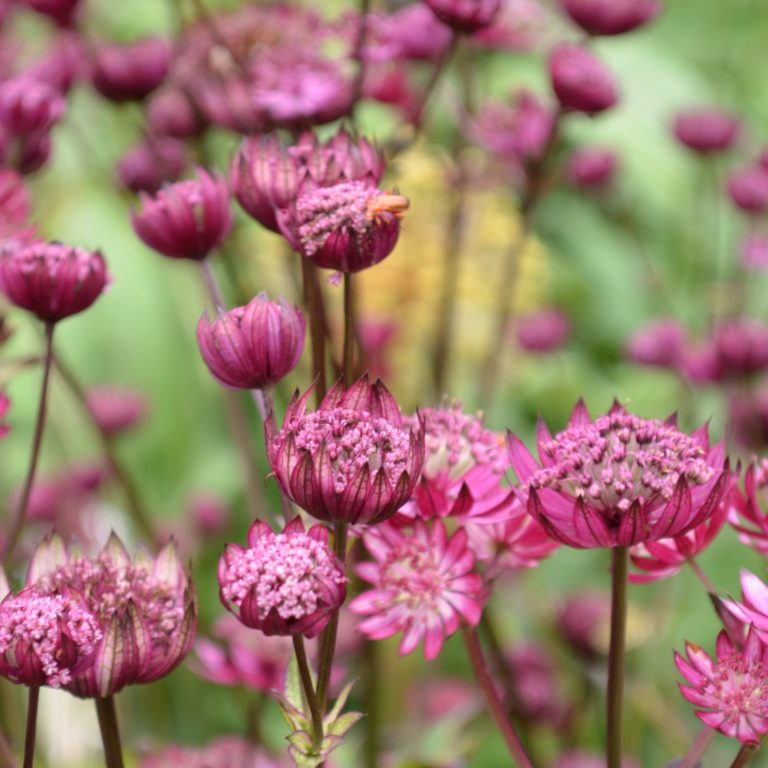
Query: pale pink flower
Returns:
{"type": "Point", "coordinates": [753, 608]}
{"type": "Point", "coordinates": [662, 343]}
{"type": "Point", "coordinates": [115, 409]}
{"type": "Point", "coordinates": [423, 586]}
{"type": "Point", "coordinates": [746, 512]}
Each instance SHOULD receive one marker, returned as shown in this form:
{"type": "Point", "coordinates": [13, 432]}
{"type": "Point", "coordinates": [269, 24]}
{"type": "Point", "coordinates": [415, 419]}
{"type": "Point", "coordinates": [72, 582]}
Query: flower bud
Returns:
{"type": "Point", "coordinates": [465, 15]}
{"type": "Point", "coordinates": [131, 72]}
{"type": "Point", "coordinates": [115, 410]}
{"type": "Point", "coordinates": [580, 80]}
{"type": "Point", "coordinates": [611, 17]}
{"type": "Point", "coordinates": [592, 167]}
{"type": "Point", "coordinates": [186, 220]}
{"type": "Point", "coordinates": [252, 346]}
{"type": "Point", "coordinates": [29, 105]}
{"type": "Point", "coordinates": [171, 113]}
{"type": "Point", "coordinates": [543, 331]}
{"type": "Point", "coordinates": [748, 190]}
{"type": "Point", "coordinates": [706, 130]}
{"type": "Point", "coordinates": [148, 166]}
{"type": "Point", "coordinates": [61, 11]}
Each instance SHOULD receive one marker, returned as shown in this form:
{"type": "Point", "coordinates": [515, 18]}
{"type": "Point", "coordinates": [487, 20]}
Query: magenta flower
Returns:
{"type": "Point", "coordinates": [465, 15]}
{"type": "Point", "coordinates": [664, 558]}
{"type": "Point", "coordinates": [114, 409]}
{"type": "Point", "coordinates": [753, 608]}
{"type": "Point", "coordinates": [186, 220]}
{"type": "Point", "coordinates": [46, 639]}
{"type": "Point", "coordinates": [611, 17]}
{"type": "Point", "coordinates": [223, 752]}
{"type": "Point", "coordinates": [61, 11]}
{"type": "Point", "coordinates": [580, 80]}
{"type": "Point", "coordinates": [583, 621]}
{"type": "Point", "coordinates": [145, 609]}
{"type": "Point", "coordinates": [619, 480]}
{"type": "Point", "coordinates": [131, 72]}
{"type": "Point", "coordinates": [51, 280]}
{"type": "Point", "coordinates": [411, 33]}
{"type": "Point", "coordinates": [26, 154]}
{"type": "Point", "coordinates": [171, 113]}
{"type": "Point", "coordinates": [423, 586]}
{"type": "Point", "coordinates": [544, 331]}
{"type": "Point", "coordinates": [748, 190]}
{"type": "Point", "coordinates": [592, 167]}
{"type": "Point", "coordinates": [662, 343]}
{"type": "Point", "coordinates": [732, 690]}
{"type": "Point", "coordinates": [354, 459]}
{"type": "Point", "coordinates": [746, 513]}
{"type": "Point", "coordinates": [754, 252]}
{"type": "Point", "coordinates": [287, 583]}
{"type": "Point", "coordinates": [14, 208]}
{"type": "Point", "coordinates": [148, 166]}
{"type": "Point", "coordinates": [253, 346]}
{"type": "Point", "coordinates": [29, 106]}
{"type": "Point", "coordinates": [737, 349]}
{"type": "Point", "coordinates": [707, 130]}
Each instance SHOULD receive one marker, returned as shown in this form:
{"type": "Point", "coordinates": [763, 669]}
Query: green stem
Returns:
{"type": "Point", "coordinates": [495, 706]}
{"type": "Point", "coordinates": [110, 734]}
{"type": "Point", "coordinates": [312, 303]}
{"type": "Point", "coordinates": [440, 67]}
{"type": "Point", "coordinates": [37, 441]}
{"type": "Point", "coordinates": [697, 749]}
{"type": "Point", "coordinates": [29, 738]}
{"type": "Point", "coordinates": [309, 690]}
{"type": "Point", "coordinates": [619, 562]}
{"type": "Point", "coordinates": [745, 753]}
{"type": "Point", "coordinates": [348, 361]}
{"type": "Point", "coordinates": [362, 33]}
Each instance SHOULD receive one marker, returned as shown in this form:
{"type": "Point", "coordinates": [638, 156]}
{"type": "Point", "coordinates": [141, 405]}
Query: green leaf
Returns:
{"type": "Point", "coordinates": [338, 705]}
{"type": "Point", "coordinates": [343, 723]}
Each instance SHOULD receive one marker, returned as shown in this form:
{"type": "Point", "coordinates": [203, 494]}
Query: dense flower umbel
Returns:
{"type": "Point", "coordinates": [706, 130]}
{"type": "Point", "coordinates": [352, 460]}
{"type": "Point", "coordinates": [611, 17]}
{"type": "Point", "coordinates": [580, 80]}
{"type": "Point", "coordinates": [131, 72]}
{"type": "Point", "coordinates": [253, 346]}
{"type": "Point", "coordinates": [423, 586]}
{"type": "Point", "coordinates": [619, 480]}
{"type": "Point", "coordinates": [731, 691]}
{"type": "Point", "coordinates": [465, 15]}
{"type": "Point", "coordinates": [285, 583]}
{"type": "Point", "coordinates": [46, 639]}
{"type": "Point", "coordinates": [753, 608]}
{"type": "Point", "coordinates": [51, 280]}
{"type": "Point", "coordinates": [145, 608]}
{"type": "Point", "coordinates": [186, 220]}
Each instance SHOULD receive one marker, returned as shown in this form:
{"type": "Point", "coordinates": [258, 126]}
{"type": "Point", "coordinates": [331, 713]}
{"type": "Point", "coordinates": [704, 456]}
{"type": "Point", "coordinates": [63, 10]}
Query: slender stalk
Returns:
{"type": "Point", "coordinates": [348, 359]}
{"type": "Point", "coordinates": [619, 562]}
{"type": "Point", "coordinates": [745, 753]}
{"type": "Point", "coordinates": [110, 734]}
{"type": "Point", "coordinates": [703, 578]}
{"type": "Point", "coordinates": [212, 285]}
{"type": "Point", "coordinates": [309, 690]}
{"type": "Point", "coordinates": [492, 700]}
{"type": "Point", "coordinates": [372, 679]}
{"type": "Point", "coordinates": [312, 302]}
{"type": "Point", "coordinates": [697, 749]}
{"type": "Point", "coordinates": [31, 732]}
{"type": "Point", "coordinates": [357, 55]}
{"type": "Point", "coordinates": [37, 441]}
{"type": "Point", "coordinates": [6, 755]}
{"type": "Point", "coordinates": [268, 404]}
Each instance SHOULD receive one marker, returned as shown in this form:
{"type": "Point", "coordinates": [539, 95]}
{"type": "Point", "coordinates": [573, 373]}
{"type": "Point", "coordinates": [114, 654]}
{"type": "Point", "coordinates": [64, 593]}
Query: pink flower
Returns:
{"type": "Point", "coordinates": [753, 608]}
{"type": "Point", "coordinates": [114, 409]}
{"type": "Point", "coordinates": [746, 513]}
{"type": "Point", "coordinates": [46, 639]}
{"type": "Point", "coordinates": [353, 460]}
{"type": "Point", "coordinates": [583, 620]}
{"type": "Point", "coordinates": [544, 331]}
{"type": "Point", "coordinates": [732, 690]}
{"type": "Point", "coordinates": [210, 514]}
{"type": "Point", "coordinates": [748, 189]}
{"type": "Point", "coordinates": [14, 208]}
{"type": "Point", "coordinates": [666, 557]}
{"type": "Point", "coordinates": [171, 113]}
{"type": "Point", "coordinates": [748, 417]}
{"type": "Point", "coordinates": [580, 80]}
{"type": "Point", "coordinates": [423, 586]}
{"type": "Point", "coordinates": [253, 346]}
{"type": "Point", "coordinates": [619, 480]}
{"type": "Point", "coordinates": [287, 583]}
{"type": "Point", "coordinates": [411, 33]}
{"type": "Point", "coordinates": [592, 167]}
{"type": "Point", "coordinates": [517, 27]}
{"type": "Point", "coordinates": [132, 71]}
{"type": "Point", "coordinates": [706, 130]}
{"type": "Point", "coordinates": [186, 220]}
{"type": "Point", "coordinates": [611, 17]}
{"type": "Point", "coordinates": [51, 280]}
{"type": "Point", "coordinates": [736, 349]}
{"type": "Point", "coordinates": [29, 106]}
{"type": "Point", "coordinates": [223, 752]}
{"type": "Point", "coordinates": [661, 343]}
{"type": "Point", "coordinates": [465, 15]}
{"type": "Point", "coordinates": [148, 166]}
{"type": "Point", "coordinates": [145, 609]}
{"type": "Point", "coordinates": [25, 154]}
{"type": "Point", "coordinates": [754, 252]}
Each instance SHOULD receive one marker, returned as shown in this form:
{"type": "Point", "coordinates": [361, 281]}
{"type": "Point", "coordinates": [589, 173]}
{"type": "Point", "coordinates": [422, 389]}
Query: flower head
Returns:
{"type": "Point", "coordinates": [662, 343]}
{"type": "Point", "coordinates": [611, 17]}
{"type": "Point", "coordinates": [51, 280]}
{"type": "Point", "coordinates": [753, 608]}
{"type": "Point", "coordinates": [746, 513]}
{"type": "Point", "coordinates": [706, 130]}
{"type": "Point", "coordinates": [148, 166]}
{"type": "Point", "coordinates": [114, 409]}
{"type": "Point", "coordinates": [592, 167]}
{"type": "Point", "coordinates": [544, 331]}
{"type": "Point", "coordinates": [732, 690]}
{"type": "Point", "coordinates": [354, 459]}
{"type": "Point", "coordinates": [145, 610]}
{"type": "Point", "coordinates": [286, 583]}
{"type": "Point", "coordinates": [252, 346]}
{"type": "Point", "coordinates": [580, 80]}
{"type": "Point", "coordinates": [131, 72]}
{"type": "Point", "coordinates": [29, 105]}
{"type": "Point", "coordinates": [171, 113]}
{"type": "Point", "coordinates": [619, 480]}
{"type": "Point", "coordinates": [748, 189]}
{"type": "Point", "coordinates": [186, 220]}
{"type": "Point", "coordinates": [465, 15]}
{"type": "Point", "coordinates": [423, 586]}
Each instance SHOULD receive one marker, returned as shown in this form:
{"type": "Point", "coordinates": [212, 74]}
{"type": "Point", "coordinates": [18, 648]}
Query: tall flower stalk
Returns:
{"type": "Point", "coordinates": [110, 732]}
{"type": "Point", "coordinates": [615, 691]}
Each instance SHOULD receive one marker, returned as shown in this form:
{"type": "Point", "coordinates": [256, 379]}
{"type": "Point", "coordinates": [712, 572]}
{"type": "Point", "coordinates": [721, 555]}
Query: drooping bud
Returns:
{"type": "Point", "coordinates": [748, 190]}
{"type": "Point", "coordinates": [611, 17]}
{"type": "Point", "coordinates": [131, 72]}
{"type": "Point", "coordinates": [29, 106]}
{"type": "Point", "coordinates": [580, 80]}
{"type": "Point", "coordinates": [148, 166]}
{"type": "Point", "coordinates": [465, 15]}
{"type": "Point", "coordinates": [707, 130]}
{"type": "Point", "coordinates": [592, 167]}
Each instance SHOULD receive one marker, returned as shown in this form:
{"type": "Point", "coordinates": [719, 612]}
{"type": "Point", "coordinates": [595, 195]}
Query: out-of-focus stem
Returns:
{"type": "Point", "coordinates": [348, 359]}
{"type": "Point", "coordinates": [745, 753]}
{"type": "Point", "coordinates": [619, 562]}
{"type": "Point", "coordinates": [110, 733]}
{"type": "Point", "coordinates": [698, 748]}
{"type": "Point", "coordinates": [31, 731]}
{"type": "Point", "coordinates": [37, 441]}
{"type": "Point", "coordinates": [703, 578]}
{"type": "Point", "coordinates": [357, 54]}
{"type": "Point", "coordinates": [372, 679]}
{"type": "Point", "coordinates": [309, 690]}
{"type": "Point", "coordinates": [268, 405]}
{"type": "Point", "coordinates": [313, 305]}
{"type": "Point", "coordinates": [212, 285]}
{"type": "Point", "coordinates": [492, 700]}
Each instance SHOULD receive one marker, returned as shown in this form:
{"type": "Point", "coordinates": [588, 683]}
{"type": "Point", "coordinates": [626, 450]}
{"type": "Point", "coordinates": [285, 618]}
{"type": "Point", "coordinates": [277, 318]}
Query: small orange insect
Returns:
{"type": "Point", "coordinates": [397, 205]}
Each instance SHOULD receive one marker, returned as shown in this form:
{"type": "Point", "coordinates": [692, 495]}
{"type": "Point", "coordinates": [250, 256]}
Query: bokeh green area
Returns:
{"type": "Point", "coordinates": [664, 243]}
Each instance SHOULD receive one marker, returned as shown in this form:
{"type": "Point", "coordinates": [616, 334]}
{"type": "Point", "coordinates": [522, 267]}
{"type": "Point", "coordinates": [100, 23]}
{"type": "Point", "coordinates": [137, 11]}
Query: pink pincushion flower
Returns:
{"type": "Point", "coordinates": [171, 113]}
{"type": "Point", "coordinates": [664, 558]}
{"type": "Point", "coordinates": [131, 72]}
{"type": "Point", "coordinates": [51, 280]}
{"type": "Point", "coordinates": [186, 220]}
{"type": "Point", "coordinates": [611, 17]}
{"type": "Point", "coordinates": [287, 583]}
{"type": "Point", "coordinates": [423, 586]}
{"type": "Point", "coordinates": [253, 346]}
{"type": "Point", "coordinates": [145, 608]}
{"type": "Point", "coordinates": [620, 480]}
{"type": "Point", "coordinates": [115, 409]}
{"type": "Point", "coordinates": [661, 343]}
{"type": "Point", "coordinates": [46, 639]}
{"type": "Point", "coordinates": [465, 15]}
{"type": "Point", "coordinates": [706, 130]}
{"type": "Point", "coordinates": [580, 80]}
{"type": "Point", "coordinates": [746, 513]}
{"type": "Point", "coordinates": [753, 608]}
{"type": "Point", "coordinates": [411, 33]}
{"type": "Point", "coordinates": [353, 460]}
{"type": "Point", "coordinates": [732, 690]}
{"type": "Point", "coordinates": [736, 349]}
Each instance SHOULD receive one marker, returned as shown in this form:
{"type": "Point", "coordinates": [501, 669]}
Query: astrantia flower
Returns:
{"type": "Point", "coordinates": [661, 343]}
{"type": "Point", "coordinates": [46, 639]}
{"type": "Point", "coordinates": [753, 608]}
{"type": "Point", "coordinates": [29, 105]}
{"type": "Point", "coordinates": [224, 752]}
{"type": "Point", "coordinates": [465, 15]}
{"type": "Point", "coordinates": [580, 80]}
{"type": "Point", "coordinates": [148, 166]}
{"type": "Point", "coordinates": [252, 346]}
{"type": "Point", "coordinates": [543, 331]}
{"type": "Point", "coordinates": [352, 460]}
{"type": "Point", "coordinates": [611, 17]}
{"type": "Point", "coordinates": [706, 130]}
{"type": "Point", "coordinates": [748, 190]}
{"type": "Point", "coordinates": [746, 513]}
{"type": "Point", "coordinates": [287, 583]}
{"type": "Point", "coordinates": [131, 72]}
{"type": "Point", "coordinates": [186, 220]}
{"type": "Point", "coordinates": [423, 586]}
{"type": "Point", "coordinates": [592, 167]}
{"type": "Point", "coordinates": [732, 690]}
{"type": "Point", "coordinates": [115, 409]}
{"type": "Point", "coordinates": [736, 349]}
{"type": "Point", "coordinates": [619, 480]}
{"type": "Point", "coordinates": [145, 609]}
{"type": "Point", "coordinates": [51, 280]}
